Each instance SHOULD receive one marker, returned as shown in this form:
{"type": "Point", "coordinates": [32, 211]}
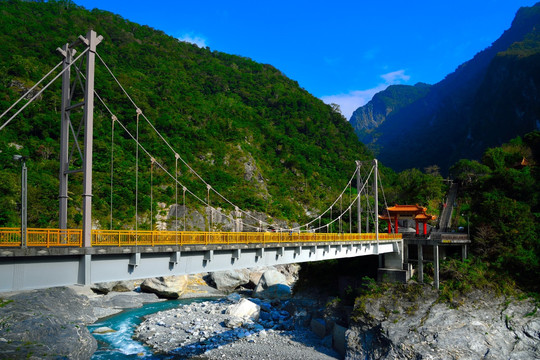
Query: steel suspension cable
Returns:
{"type": "Point", "coordinates": [151, 194]}
{"type": "Point", "coordinates": [191, 169]}
{"type": "Point", "coordinates": [159, 164]}
{"type": "Point", "coordinates": [167, 143]}
{"type": "Point", "coordinates": [31, 89]}
{"type": "Point", "coordinates": [39, 92]}
{"type": "Point", "coordinates": [176, 198]}
{"type": "Point", "coordinates": [185, 208]}
{"type": "Point", "coordinates": [385, 203]}
{"type": "Point", "coordinates": [138, 111]}
{"type": "Point", "coordinates": [331, 206]}
{"type": "Point", "coordinates": [113, 120]}
{"type": "Point", "coordinates": [350, 205]}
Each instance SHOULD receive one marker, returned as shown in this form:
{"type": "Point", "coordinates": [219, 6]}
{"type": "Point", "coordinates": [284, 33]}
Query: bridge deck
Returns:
{"type": "Point", "coordinates": [11, 237]}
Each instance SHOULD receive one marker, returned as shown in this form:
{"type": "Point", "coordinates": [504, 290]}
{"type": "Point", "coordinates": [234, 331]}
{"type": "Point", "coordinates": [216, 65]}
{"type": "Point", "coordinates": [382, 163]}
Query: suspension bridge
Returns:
{"type": "Point", "coordinates": [36, 258]}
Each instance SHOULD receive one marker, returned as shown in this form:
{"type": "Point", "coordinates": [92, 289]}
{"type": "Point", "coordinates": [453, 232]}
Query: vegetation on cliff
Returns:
{"type": "Point", "coordinates": [500, 198]}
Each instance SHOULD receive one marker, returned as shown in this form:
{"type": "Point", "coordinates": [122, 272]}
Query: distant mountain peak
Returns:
{"type": "Point", "coordinates": [486, 101]}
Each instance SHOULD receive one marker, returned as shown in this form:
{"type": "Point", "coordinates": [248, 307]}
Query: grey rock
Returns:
{"type": "Point", "coordinates": [170, 287]}
{"type": "Point", "coordinates": [123, 300]}
{"type": "Point", "coordinates": [483, 326]}
{"type": "Point", "coordinates": [50, 323]}
{"type": "Point", "coordinates": [244, 309]}
{"type": "Point", "coordinates": [118, 286]}
{"type": "Point", "coordinates": [230, 279]}
{"type": "Point", "coordinates": [103, 330]}
{"type": "Point", "coordinates": [273, 285]}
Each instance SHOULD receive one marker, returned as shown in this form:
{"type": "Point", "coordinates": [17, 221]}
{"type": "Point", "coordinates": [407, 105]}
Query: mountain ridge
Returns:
{"type": "Point", "coordinates": [442, 127]}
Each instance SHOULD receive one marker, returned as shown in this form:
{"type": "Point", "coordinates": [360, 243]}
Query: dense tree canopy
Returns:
{"type": "Point", "coordinates": [220, 112]}
{"type": "Point", "coordinates": [501, 197]}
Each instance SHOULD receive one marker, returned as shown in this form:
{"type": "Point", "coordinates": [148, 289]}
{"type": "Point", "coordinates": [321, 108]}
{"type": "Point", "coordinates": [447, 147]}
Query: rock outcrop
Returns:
{"type": "Point", "coordinates": [272, 285]}
{"type": "Point", "coordinates": [170, 287]}
{"type": "Point", "coordinates": [116, 286]}
{"type": "Point", "coordinates": [229, 280]}
{"type": "Point", "coordinates": [416, 325]}
{"type": "Point", "coordinates": [47, 324]}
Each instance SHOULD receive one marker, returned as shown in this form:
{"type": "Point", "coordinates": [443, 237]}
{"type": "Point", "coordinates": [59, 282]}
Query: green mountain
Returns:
{"type": "Point", "coordinates": [259, 138]}
{"type": "Point", "coordinates": [488, 100]}
{"type": "Point", "coordinates": [389, 101]}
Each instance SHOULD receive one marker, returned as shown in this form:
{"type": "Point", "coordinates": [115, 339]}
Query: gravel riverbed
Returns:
{"type": "Point", "coordinates": [206, 330]}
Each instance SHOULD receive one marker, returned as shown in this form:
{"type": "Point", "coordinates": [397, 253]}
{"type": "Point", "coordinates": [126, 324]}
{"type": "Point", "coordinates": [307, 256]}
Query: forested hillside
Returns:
{"type": "Point", "coordinates": [500, 200]}
{"type": "Point", "coordinates": [254, 134]}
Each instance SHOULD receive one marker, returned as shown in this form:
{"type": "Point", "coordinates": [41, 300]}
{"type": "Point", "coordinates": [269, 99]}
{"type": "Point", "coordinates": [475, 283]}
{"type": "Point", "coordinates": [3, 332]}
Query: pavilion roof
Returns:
{"type": "Point", "coordinates": [406, 209]}
{"type": "Point", "coordinates": [417, 212]}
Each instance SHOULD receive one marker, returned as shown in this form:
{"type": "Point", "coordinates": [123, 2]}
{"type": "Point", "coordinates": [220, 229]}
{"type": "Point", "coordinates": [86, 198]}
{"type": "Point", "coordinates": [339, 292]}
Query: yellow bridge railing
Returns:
{"type": "Point", "coordinates": [11, 237]}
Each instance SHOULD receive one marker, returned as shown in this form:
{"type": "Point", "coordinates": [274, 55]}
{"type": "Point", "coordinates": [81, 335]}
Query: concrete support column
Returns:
{"type": "Point", "coordinates": [464, 252]}
{"type": "Point", "coordinates": [436, 266]}
{"type": "Point", "coordinates": [405, 252]}
{"type": "Point", "coordinates": [85, 270]}
{"type": "Point", "coordinates": [420, 264]}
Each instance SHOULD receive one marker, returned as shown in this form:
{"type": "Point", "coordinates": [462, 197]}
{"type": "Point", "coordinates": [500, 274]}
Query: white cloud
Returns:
{"type": "Point", "coordinates": [395, 77]}
{"type": "Point", "coordinates": [193, 39]}
{"type": "Point", "coordinates": [348, 103]}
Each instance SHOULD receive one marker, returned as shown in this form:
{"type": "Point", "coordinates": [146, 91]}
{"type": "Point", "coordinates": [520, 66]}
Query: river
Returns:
{"type": "Point", "coordinates": [119, 344]}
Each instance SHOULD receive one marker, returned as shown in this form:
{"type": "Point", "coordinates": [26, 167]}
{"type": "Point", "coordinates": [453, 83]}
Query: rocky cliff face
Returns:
{"type": "Point", "coordinates": [488, 100]}
{"type": "Point", "coordinates": [414, 325]}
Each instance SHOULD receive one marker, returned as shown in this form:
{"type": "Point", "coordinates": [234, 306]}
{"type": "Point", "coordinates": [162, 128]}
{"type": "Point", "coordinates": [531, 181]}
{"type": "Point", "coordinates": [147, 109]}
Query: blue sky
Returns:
{"type": "Point", "coordinates": [340, 51]}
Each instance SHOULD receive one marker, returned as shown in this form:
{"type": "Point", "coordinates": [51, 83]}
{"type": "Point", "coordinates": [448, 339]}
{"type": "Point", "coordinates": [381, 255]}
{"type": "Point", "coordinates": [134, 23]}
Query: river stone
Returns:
{"type": "Point", "coordinates": [230, 279]}
{"type": "Point", "coordinates": [170, 287]}
{"type": "Point", "coordinates": [103, 330]}
{"type": "Point", "coordinates": [245, 309]}
{"type": "Point", "coordinates": [273, 285]}
{"type": "Point", "coordinates": [49, 323]}
{"type": "Point", "coordinates": [118, 286]}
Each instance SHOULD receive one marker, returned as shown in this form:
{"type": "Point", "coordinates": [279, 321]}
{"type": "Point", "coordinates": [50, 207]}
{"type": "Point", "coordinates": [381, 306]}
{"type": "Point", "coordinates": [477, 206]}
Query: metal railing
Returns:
{"type": "Point", "coordinates": [41, 237]}
{"type": "Point", "coordinates": [11, 237]}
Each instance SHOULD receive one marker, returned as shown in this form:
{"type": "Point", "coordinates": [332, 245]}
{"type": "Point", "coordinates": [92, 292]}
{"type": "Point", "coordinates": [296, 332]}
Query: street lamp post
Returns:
{"type": "Point", "coordinates": [24, 192]}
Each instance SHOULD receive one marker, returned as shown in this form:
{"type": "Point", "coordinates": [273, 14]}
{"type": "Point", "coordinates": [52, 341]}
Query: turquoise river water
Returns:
{"type": "Point", "coordinates": [119, 344]}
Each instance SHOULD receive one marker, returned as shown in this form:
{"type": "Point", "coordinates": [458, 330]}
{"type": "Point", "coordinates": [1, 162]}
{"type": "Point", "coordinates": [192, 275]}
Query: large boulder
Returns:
{"type": "Point", "coordinates": [245, 310]}
{"type": "Point", "coordinates": [230, 279]}
{"type": "Point", "coordinates": [117, 286]}
{"type": "Point", "coordinates": [272, 285]}
{"type": "Point", "coordinates": [291, 272]}
{"type": "Point", "coordinates": [170, 287]}
{"type": "Point", "coordinates": [46, 324]}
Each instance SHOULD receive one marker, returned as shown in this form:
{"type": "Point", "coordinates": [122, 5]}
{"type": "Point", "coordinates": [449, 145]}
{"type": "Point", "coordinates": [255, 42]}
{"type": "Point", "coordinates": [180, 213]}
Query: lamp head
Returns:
{"type": "Point", "coordinates": [17, 157]}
